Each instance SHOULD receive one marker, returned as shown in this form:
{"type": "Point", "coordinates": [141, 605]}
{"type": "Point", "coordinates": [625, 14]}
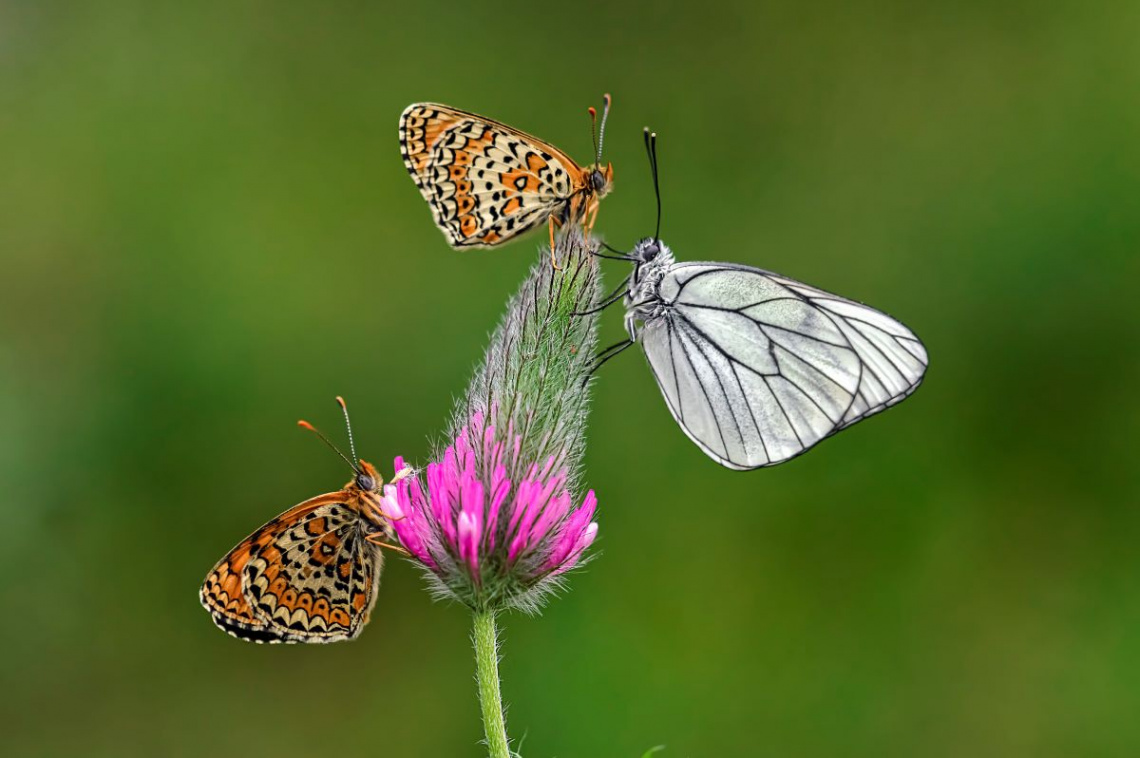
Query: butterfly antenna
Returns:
{"type": "Point", "coordinates": [306, 425]}
{"type": "Point", "coordinates": [594, 130]}
{"type": "Point", "coordinates": [651, 151]}
{"type": "Point", "coordinates": [602, 130]}
{"type": "Point", "coordinates": [347, 423]}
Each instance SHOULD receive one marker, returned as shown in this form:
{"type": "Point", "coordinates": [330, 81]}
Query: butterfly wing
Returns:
{"type": "Point", "coordinates": [485, 182]}
{"type": "Point", "coordinates": [307, 576]}
{"type": "Point", "coordinates": [221, 593]}
{"type": "Point", "coordinates": [757, 368]}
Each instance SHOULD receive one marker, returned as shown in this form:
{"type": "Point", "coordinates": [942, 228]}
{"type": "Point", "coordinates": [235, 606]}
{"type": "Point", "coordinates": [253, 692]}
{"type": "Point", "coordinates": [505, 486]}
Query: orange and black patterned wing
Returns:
{"type": "Point", "coordinates": [221, 593]}
{"type": "Point", "coordinates": [317, 580]}
{"type": "Point", "coordinates": [307, 576]}
{"type": "Point", "coordinates": [486, 183]}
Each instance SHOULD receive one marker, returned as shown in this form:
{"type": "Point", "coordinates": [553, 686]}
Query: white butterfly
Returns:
{"type": "Point", "coordinates": [757, 367]}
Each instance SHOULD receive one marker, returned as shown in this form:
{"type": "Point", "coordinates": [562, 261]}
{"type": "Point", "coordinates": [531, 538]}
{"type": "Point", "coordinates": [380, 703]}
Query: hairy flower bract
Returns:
{"type": "Point", "coordinates": [499, 516]}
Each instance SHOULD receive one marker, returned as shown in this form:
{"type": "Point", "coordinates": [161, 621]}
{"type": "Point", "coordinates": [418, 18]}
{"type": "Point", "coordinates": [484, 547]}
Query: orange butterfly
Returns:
{"type": "Point", "coordinates": [487, 183]}
{"type": "Point", "coordinates": [311, 574]}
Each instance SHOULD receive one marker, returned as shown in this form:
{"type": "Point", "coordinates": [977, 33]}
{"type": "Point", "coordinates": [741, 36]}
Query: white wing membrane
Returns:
{"type": "Point", "coordinates": [757, 368]}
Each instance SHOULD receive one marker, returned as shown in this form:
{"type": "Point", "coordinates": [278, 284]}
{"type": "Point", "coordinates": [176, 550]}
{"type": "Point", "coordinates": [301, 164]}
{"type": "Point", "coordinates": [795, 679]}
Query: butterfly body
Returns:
{"type": "Point", "coordinates": [488, 183]}
{"type": "Point", "coordinates": [756, 367]}
{"type": "Point", "coordinates": [309, 575]}
{"type": "Point", "coordinates": [644, 301]}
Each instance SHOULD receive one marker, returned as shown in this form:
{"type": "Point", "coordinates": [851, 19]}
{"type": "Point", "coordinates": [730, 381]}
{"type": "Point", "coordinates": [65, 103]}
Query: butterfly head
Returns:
{"type": "Point", "coordinates": [601, 180]}
{"type": "Point", "coordinates": [650, 250]}
{"type": "Point", "coordinates": [368, 478]}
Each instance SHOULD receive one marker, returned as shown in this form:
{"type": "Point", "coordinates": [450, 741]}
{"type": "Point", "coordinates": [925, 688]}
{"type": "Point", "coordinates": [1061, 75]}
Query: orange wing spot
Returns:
{"type": "Point", "coordinates": [340, 617]}
{"type": "Point", "coordinates": [512, 205]}
{"type": "Point", "coordinates": [535, 163]}
{"type": "Point", "coordinates": [288, 599]}
{"type": "Point", "coordinates": [521, 181]}
{"type": "Point", "coordinates": [231, 585]}
{"type": "Point", "coordinates": [317, 526]}
{"type": "Point", "coordinates": [358, 601]}
{"type": "Point", "coordinates": [272, 558]}
{"type": "Point", "coordinates": [477, 146]}
{"type": "Point", "coordinates": [344, 569]}
{"type": "Point", "coordinates": [456, 172]}
{"type": "Point", "coordinates": [490, 237]}
{"type": "Point", "coordinates": [464, 204]}
{"type": "Point", "coordinates": [325, 549]}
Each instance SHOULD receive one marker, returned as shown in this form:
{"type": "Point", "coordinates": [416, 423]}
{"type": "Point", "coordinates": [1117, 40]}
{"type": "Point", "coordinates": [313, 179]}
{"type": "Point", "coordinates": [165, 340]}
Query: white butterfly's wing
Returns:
{"type": "Point", "coordinates": [894, 359]}
{"type": "Point", "coordinates": [757, 368]}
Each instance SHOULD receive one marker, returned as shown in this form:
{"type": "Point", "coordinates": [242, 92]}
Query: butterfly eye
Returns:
{"type": "Point", "coordinates": [597, 180]}
{"type": "Point", "coordinates": [365, 482]}
{"type": "Point", "coordinates": [646, 250]}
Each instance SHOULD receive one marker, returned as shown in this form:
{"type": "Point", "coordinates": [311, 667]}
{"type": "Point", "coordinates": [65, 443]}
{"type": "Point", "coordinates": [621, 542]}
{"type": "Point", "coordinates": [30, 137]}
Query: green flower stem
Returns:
{"type": "Point", "coordinates": [487, 674]}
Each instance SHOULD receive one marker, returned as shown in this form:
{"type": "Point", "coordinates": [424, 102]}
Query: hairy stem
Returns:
{"type": "Point", "coordinates": [485, 635]}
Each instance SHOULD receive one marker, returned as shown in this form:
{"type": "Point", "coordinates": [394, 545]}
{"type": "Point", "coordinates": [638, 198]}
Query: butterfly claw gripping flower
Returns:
{"type": "Point", "coordinates": [494, 520]}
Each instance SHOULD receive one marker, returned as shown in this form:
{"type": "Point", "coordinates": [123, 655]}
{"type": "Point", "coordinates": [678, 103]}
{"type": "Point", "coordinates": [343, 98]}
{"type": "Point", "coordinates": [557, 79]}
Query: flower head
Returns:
{"type": "Point", "coordinates": [494, 519]}
{"type": "Point", "coordinates": [494, 530]}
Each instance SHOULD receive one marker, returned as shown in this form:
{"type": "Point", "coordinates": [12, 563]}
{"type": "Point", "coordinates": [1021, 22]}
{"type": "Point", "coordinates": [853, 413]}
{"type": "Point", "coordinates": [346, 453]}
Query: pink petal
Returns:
{"type": "Point", "coordinates": [469, 543]}
{"type": "Point", "coordinates": [389, 504]}
{"type": "Point", "coordinates": [584, 542]}
{"type": "Point", "coordinates": [569, 543]}
{"type": "Point", "coordinates": [500, 488]}
{"type": "Point", "coordinates": [472, 497]}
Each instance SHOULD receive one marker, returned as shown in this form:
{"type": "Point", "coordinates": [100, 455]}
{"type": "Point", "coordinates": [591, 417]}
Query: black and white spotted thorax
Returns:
{"type": "Point", "coordinates": [652, 261]}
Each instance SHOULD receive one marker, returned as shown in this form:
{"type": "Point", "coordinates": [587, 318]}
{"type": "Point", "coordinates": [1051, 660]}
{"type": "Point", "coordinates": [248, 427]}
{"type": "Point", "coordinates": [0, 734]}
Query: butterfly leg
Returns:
{"type": "Point", "coordinates": [553, 261]}
{"type": "Point", "coordinates": [608, 300]}
{"type": "Point", "coordinates": [592, 214]}
{"type": "Point", "coordinates": [384, 514]}
{"type": "Point", "coordinates": [374, 539]}
{"type": "Point", "coordinates": [601, 358]}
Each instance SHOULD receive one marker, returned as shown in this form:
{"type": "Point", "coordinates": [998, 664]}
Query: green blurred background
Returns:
{"type": "Point", "coordinates": [207, 232]}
